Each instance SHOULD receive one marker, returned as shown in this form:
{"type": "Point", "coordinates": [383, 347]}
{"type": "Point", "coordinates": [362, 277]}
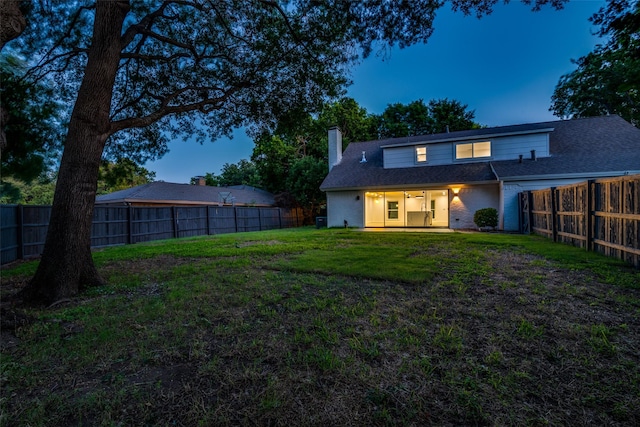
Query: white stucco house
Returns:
{"type": "Point", "coordinates": [441, 180]}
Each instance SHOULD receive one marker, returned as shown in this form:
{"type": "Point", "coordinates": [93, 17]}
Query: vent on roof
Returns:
{"type": "Point", "coordinates": [364, 158]}
{"type": "Point", "coordinates": [225, 197]}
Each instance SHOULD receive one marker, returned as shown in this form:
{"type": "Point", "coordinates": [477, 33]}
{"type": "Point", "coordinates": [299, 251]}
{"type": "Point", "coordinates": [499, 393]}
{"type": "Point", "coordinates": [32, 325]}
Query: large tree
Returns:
{"type": "Point", "coordinates": [137, 71]}
{"type": "Point", "coordinates": [122, 174]}
{"type": "Point", "coordinates": [32, 124]}
{"type": "Point", "coordinates": [242, 173]}
{"type": "Point", "coordinates": [607, 80]}
{"type": "Point", "coordinates": [12, 24]}
{"type": "Point", "coordinates": [417, 118]}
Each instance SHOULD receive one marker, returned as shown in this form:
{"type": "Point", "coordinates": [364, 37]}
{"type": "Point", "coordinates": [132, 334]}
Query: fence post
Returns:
{"type": "Point", "coordinates": [280, 218]}
{"type": "Point", "coordinates": [235, 217]}
{"type": "Point", "coordinates": [530, 212]}
{"type": "Point", "coordinates": [590, 214]}
{"type": "Point", "coordinates": [130, 224]}
{"type": "Point", "coordinates": [174, 220]}
{"type": "Point", "coordinates": [554, 209]}
{"type": "Point", "coordinates": [259, 220]}
{"type": "Point", "coordinates": [208, 220]}
{"type": "Point", "coordinates": [20, 232]}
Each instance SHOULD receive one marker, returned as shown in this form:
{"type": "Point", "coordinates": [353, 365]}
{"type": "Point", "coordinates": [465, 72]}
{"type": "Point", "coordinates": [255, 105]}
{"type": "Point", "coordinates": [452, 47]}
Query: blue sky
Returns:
{"type": "Point", "coordinates": [504, 66]}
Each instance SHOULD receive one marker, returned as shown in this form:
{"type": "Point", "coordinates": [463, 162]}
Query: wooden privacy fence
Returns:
{"type": "Point", "coordinates": [600, 215]}
{"type": "Point", "coordinates": [23, 228]}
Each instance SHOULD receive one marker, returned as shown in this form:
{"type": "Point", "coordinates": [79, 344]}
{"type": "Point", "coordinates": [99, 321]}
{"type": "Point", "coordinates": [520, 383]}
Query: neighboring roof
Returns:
{"type": "Point", "coordinates": [596, 146]}
{"type": "Point", "coordinates": [167, 192]}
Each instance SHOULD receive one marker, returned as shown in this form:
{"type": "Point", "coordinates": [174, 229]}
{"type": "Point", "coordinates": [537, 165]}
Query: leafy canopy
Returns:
{"type": "Point", "coordinates": [200, 68]}
{"type": "Point", "coordinates": [607, 80]}
{"type": "Point", "coordinates": [33, 123]}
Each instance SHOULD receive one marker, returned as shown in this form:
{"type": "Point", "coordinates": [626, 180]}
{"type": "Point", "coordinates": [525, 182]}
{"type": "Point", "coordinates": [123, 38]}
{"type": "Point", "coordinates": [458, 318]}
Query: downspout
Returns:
{"type": "Point", "coordinates": [500, 199]}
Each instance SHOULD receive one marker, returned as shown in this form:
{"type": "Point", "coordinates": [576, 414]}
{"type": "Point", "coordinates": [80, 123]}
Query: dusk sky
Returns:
{"type": "Point", "coordinates": [503, 66]}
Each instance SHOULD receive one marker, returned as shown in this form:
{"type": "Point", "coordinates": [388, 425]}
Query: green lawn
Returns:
{"type": "Point", "coordinates": [332, 327]}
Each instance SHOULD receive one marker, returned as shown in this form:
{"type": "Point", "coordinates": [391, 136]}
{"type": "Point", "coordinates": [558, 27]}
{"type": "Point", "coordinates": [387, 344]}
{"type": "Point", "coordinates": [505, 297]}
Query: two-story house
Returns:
{"type": "Point", "coordinates": [441, 180]}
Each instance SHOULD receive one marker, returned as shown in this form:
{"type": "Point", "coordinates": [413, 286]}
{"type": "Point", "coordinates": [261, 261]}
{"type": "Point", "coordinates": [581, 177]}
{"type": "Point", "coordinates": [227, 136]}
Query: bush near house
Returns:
{"type": "Point", "coordinates": [487, 217]}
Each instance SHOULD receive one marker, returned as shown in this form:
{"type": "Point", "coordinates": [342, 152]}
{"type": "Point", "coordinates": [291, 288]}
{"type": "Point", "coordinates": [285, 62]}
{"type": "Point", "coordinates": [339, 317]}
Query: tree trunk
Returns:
{"type": "Point", "coordinates": [67, 265]}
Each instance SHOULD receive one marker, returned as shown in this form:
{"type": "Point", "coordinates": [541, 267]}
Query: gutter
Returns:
{"type": "Point", "coordinates": [407, 187]}
{"type": "Point", "coordinates": [177, 202]}
{"type": "Point", "coordinates": [585, 175]}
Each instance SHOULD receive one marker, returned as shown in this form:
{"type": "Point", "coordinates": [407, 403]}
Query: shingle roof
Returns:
{"type": "Point", "coordinates": [167, 192]}
{"type": "Point", "coordinates": [580, 146]}
{"type": "Point", "coordinates": [595, 145]}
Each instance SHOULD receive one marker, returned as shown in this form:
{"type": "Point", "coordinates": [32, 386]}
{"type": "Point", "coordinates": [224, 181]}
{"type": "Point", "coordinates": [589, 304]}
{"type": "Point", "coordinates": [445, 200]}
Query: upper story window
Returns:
{"type": "Point", "coordinates": [421, 154]}
{"type": "Point", "coordinates": [473, 150]}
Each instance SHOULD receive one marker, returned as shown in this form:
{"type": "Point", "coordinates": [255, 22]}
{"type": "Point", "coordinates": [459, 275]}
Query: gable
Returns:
{"type": "Point", "coordinates": [597, 145]}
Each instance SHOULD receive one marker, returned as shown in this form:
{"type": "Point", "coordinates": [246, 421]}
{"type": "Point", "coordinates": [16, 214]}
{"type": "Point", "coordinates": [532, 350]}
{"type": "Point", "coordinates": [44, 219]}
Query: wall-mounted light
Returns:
{"type": "Point", "coordinates": [456, 191]}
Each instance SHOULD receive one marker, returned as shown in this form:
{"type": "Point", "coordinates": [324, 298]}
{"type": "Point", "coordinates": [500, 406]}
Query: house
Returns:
{"type": "Point", "coordinates": [441, 180]}
{"type": "Point", "coordinates": [161, 193]}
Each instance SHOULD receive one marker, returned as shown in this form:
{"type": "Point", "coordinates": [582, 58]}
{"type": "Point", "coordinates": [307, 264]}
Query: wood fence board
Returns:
{"type": "Point", "coordinates": [601, 215]}
{"type": "Point", "coordinates": [9, 230]}
{"type": "Point", "coordinates": [23, 229]}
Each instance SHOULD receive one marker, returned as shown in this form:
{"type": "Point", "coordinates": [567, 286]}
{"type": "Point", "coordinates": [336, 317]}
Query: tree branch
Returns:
{"type": "Point", "coordinates": [206, 105]}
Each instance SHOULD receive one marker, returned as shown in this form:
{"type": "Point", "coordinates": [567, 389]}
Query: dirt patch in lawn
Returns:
{"type": "Point", "coordinates": [512, 340]}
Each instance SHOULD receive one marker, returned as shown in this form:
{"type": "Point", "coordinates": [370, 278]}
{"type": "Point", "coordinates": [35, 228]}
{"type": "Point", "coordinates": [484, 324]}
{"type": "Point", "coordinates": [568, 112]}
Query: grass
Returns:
{"type": "Point", "coordinates": [332, 327]}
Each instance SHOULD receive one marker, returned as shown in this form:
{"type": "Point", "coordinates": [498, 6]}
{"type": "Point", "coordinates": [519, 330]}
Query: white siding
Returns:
{"type": "Point", "coordinates": [469, 200]}
{"type": "Point", "coordinates": [345, 205]}
{"type": "Point", "coordinates": [510, 147]}
{"type": "Point", "coordinates": [505, 148]}
{"type": "Point", "coordinates": [439, 154]}
{"type": "Point", "coordinates": [400, 157]}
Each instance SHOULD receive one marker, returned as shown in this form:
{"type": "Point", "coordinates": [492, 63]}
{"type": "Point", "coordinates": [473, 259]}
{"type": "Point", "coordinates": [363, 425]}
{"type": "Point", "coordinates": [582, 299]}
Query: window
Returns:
{"type": "Point", "coordinates": [473, 150]}
{"type": "Point", "coordinates": [421, 154]}
{"type": "Point", "coordinates": [392, 210]}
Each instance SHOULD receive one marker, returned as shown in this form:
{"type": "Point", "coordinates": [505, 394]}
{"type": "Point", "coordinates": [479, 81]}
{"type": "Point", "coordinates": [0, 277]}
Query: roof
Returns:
{"type": "Point", "coordinates": [588, 146]}
{"type": "Point", "coordinates": [170, 193]}
{"type": "Point", "coordinates": [463, 135]}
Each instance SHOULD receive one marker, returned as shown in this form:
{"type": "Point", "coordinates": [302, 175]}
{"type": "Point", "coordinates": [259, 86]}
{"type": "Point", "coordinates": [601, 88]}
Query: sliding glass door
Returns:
{"type": "Point", "coordinates": [410, 208]}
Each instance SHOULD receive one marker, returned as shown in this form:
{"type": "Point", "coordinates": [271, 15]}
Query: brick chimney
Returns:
{"type": "Point", "coordinates": [335, 146]}
{"type": "Point", "coordinates": [200, 180]}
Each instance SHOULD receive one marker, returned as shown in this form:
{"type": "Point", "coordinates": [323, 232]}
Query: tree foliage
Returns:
{"type": "Point", "coordinates": [303, 183]}
{"type": "Point", "coordinates": [242, 173]}
{"type": "Point", "coordinates": [32, 123]}
{"type": "Point", "coordinates": [122, 174]}
{"type": "Point", "coordinates": [37, 192]}
{"type": "Point", "coordinates": [417, 118]}
{"type": "Point", "coordinates": [607, 80]}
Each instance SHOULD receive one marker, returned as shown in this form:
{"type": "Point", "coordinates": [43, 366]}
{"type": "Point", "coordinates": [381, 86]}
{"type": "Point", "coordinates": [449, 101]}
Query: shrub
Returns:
{"type": "Point", "coordinates": [487, 217]}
